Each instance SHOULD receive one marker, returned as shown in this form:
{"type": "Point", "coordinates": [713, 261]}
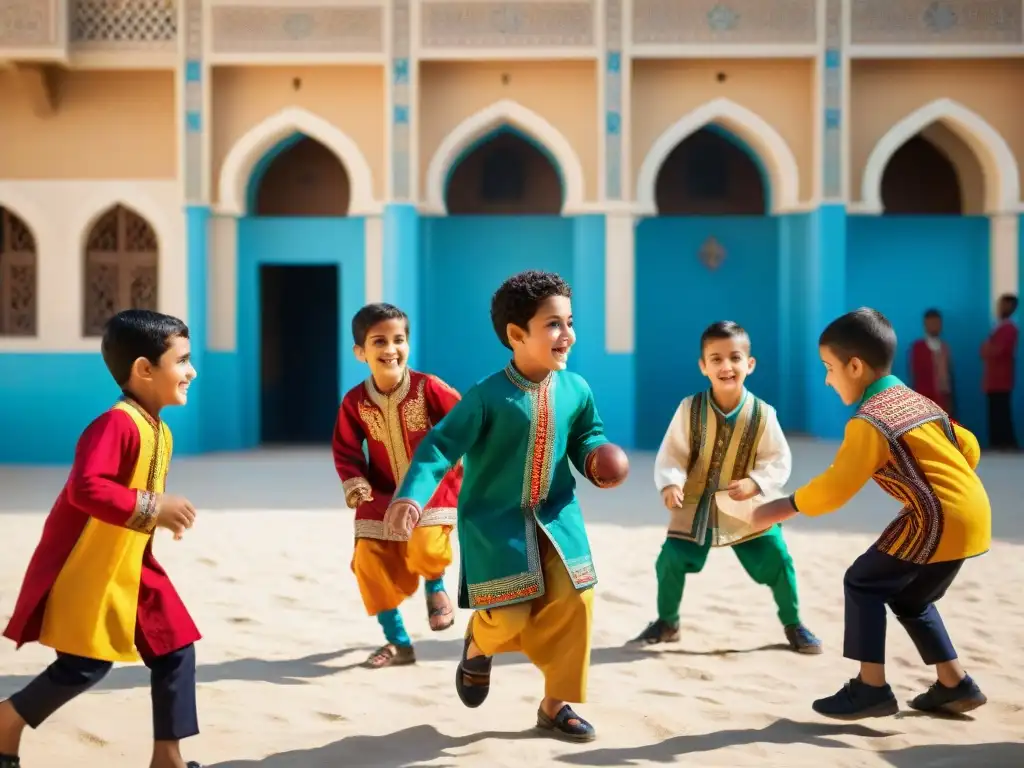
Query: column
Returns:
{"type": "Point", "coordinates": [189, 436]}
{"type": "Point", "coordinates": [824, 279]}
{"type": "Point", "coordinates": [400, 220]}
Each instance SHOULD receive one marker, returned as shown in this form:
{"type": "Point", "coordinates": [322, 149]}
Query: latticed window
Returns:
{"type": "Point", "coordinates": [121, 257]}
{"type": "Point", "coordinates": [18, 291]}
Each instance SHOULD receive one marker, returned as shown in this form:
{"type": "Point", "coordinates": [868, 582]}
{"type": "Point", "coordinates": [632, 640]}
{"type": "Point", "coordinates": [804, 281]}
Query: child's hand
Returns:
{"type": "Point", "coordinates": [175, 513]}
{"type": "Point", "coordinates": [672, 497]}
{"type": "Point", "coordinates": [741, 490]}
{"type": "Point", "coordinates": [401, 518]}
{"type": "Point", "coordinates": [358, 497]}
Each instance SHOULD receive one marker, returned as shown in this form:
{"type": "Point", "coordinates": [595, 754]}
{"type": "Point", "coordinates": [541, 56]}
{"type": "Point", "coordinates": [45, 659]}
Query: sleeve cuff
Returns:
{"type": "Point", "coordinates": [143, 519]}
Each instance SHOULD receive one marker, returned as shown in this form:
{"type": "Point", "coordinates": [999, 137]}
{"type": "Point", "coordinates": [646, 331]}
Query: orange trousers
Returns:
{"type": "Point", "coordinates": [553, 630]}
{"type": "Point", "coordinates": [388, 572]}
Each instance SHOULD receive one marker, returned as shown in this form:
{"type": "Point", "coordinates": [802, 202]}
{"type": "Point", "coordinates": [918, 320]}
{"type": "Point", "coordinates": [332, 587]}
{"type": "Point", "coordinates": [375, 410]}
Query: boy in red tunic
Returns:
{"type": "Point", "coordinates": [931, 366]}
{"type": "Point", "coordinates": [999, 353]}
{"type": "Point", "coordinates": [93, 590]}
{"type": "Point", "coordinates": [391, 412]}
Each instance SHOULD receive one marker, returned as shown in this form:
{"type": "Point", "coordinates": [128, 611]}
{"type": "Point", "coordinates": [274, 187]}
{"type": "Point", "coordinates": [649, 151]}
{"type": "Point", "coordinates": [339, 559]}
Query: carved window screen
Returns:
{"type": "Point", "coordinates": [121, 259]}
{"type": "Point", "coordinates": [18, 287]}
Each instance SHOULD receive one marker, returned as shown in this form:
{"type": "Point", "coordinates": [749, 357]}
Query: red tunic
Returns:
{"type": "Point", "coordinates": [1000, 355]}
{"type": "Point", "coordinates": [392, 426]}
{"type": "Point", "coordinates": [98, 488]}
{"type": "Point", "coordinates": [931, 373]}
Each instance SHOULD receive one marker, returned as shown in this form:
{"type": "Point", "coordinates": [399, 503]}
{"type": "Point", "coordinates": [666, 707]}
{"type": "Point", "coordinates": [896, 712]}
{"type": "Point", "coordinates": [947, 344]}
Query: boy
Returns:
{"type": "Point", "coordinates": [527, 570]}
{"type": "Point", "coordinates": [927, 463]}
{"type": "Point", "coordinates": [723, 439]}
{"type": "Point", "coordinates": [93, 590]}
{"type": "Point", "coordinates": [391, 412]}
{"type": "Point", "coordinates": [931, 365]}
{"type": "Point", "coordinates": [999, 353]}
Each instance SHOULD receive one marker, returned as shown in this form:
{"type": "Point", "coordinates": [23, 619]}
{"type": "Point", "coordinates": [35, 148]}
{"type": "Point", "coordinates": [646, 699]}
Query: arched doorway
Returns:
{"type": "Point", "coordinates": [298, 252]}
{"type": "Point", "coordinates": [121, 272]}
{"type": "Point", "coordinates": [504, 198]}
{"type": "Point", "coordinates": [710, 253]}
{"type": "Point", "coordinates": [18, 282]}
{"type": "Point", "coordinates": [929, 248]}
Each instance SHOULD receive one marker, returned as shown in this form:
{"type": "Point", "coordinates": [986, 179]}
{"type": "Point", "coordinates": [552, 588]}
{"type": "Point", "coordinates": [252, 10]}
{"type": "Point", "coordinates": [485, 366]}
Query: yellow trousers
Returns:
{"type": "Point", "coordinates": [553, 630]}
{"type": "Point", "coordinates": [388, 572]}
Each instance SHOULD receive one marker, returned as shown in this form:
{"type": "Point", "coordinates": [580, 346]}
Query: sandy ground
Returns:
{"type": "Point", "coordinates": [266, 575]}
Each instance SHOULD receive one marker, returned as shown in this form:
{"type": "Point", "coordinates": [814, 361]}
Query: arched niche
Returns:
{"type": "Point", "coordinates": [939, 122]}
{"type": "Point", "coordinates": [711, 172]}
{"type": "Point", "coordinates": [504, 173]}
{"type": "Point", "coordinates": [757, 136]}
{"type": "Point", "coordinates": [299, 176]}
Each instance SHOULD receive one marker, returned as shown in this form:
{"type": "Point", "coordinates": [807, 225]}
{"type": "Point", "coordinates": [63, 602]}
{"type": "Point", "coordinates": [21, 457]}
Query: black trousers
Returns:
{"type": "Point", "coordinates": [1000, 421]}
{"type": "Point", "coordinates": [172, 686]}
{"type": "Point", "coordinates": [876, 580]}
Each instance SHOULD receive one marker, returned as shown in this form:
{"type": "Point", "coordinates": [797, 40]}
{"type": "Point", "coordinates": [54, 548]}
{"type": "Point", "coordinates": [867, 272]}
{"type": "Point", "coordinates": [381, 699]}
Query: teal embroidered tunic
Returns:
{"type": "Point", "coordinates": [516, 439]}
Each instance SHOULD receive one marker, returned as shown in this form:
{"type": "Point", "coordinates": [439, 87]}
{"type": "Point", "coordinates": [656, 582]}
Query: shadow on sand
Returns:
{"type": "Point", "coordinates": [423, 744]}
{"type": "Point", "coordinates": [315, 666]}
{"type": "Point", "coordinates": [283, 672]}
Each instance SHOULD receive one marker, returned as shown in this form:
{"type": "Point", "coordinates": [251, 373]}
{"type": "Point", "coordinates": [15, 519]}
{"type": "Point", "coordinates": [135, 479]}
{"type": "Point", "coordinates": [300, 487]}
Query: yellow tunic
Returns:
{"type": "Point", "coordinates": [920, 458]}
{"type": "Point", "coordinates": [91, 610]}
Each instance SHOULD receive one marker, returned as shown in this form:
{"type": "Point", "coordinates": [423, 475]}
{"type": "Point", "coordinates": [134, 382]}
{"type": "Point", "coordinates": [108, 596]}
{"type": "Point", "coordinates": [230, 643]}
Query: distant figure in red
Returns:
{"type": "Point", "coordinates": [931, 366]}
{"type": "Point", "coordinates": [1000, 355]}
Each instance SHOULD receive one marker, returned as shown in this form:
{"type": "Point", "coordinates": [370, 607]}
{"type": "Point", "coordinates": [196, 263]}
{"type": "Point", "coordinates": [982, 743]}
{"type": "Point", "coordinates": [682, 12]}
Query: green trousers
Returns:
{"type": "Point", "coordinates": [765, 559]}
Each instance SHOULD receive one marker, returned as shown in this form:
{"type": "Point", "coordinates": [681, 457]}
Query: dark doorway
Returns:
{"type": "Point", "coordinates": [299, 392]}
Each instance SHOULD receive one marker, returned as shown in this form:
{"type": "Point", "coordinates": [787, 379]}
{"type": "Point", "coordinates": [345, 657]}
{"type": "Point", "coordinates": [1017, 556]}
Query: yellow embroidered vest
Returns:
{"type": "Point", "coordinates": [91, 610]}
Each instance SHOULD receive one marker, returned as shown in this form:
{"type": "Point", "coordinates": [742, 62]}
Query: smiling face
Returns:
{"type": "Point", "coordinates": [386, 351]}
{"type": "Point", "coordinates": [849, 380]}
{"type": "Point", "coordinates": [167, 382]}
{"type": "Point", "coordinates": [727, 362]}
{"type": "Point", "coordinates": [545, 344]}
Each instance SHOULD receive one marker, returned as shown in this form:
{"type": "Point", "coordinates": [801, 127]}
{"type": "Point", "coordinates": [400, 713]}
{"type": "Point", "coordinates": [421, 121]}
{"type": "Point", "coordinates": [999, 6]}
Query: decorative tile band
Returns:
{"type": "Point", "coordinates": [401, 102]}
{"type": "Point", "coordinates": [613, 100]}
{"type": "Point", "coordinates": [832, 102]}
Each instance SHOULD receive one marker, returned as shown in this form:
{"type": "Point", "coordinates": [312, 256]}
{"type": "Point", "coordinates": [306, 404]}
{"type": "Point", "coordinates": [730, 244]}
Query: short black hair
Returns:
{"type": "Point", "coordinates": [1011, 299]}
{"type": "Point", "coordinates": [932, 313]}
{"type": "Point", "coordinates": [865, 333]}
{"type": "Point", "coordinates": [370, 315]}
{"type": "Point", "coordinates": [136, 333]}
{"type": "Point", "coordinates": [518, 298]}
{"type": "Point", "coordinates": [724, 329]}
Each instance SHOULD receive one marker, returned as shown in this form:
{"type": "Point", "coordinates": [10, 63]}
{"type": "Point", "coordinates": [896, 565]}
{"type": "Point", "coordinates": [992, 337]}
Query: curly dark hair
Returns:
{"type": "Point", "coordinates": [519, 297]}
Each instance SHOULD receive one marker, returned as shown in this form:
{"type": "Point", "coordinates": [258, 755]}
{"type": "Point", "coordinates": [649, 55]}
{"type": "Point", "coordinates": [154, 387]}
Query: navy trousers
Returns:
{"type": "Point", "coordinates": [172, 686]}
{"type": "Point", "coordinates": [876, 580]}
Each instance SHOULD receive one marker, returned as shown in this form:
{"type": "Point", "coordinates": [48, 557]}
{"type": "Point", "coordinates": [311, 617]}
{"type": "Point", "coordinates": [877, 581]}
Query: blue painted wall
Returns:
{"type": "Point", "coordinates": [677, 297]}
{"type": "Point", "coordinates": [464, 260]}
{"type": "Point", "coordinates": [902, 265]}
{"type": "Point", "coordinates": [295, 241]}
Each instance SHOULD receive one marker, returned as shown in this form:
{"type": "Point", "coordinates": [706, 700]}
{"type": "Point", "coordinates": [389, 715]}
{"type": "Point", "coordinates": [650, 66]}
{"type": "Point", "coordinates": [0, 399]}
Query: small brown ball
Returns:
{"type": "Point", "coordinates": [607, 466]}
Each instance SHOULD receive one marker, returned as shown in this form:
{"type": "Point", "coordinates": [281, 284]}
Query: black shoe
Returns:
{"type": "Point", "coordinates": [857, 699]}
{"type": "Point", "coordinates": [658, 631]}
{"type": "Point", "coordinates": [473, 677]}
{"type": "Point", "coordinates": [566, 725]}
{"type": "Point", "coordinates": [193, 764]}
{"type": "Point", "coordinates": [13, 761]}
{"type": "Point", "coordinates": [802, 640]}
{"type": "Point", "coordinates": [958, 700]}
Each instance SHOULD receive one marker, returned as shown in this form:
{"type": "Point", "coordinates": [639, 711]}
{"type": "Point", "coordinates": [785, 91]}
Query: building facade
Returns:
{"type": "Point", "coordinates": [263, 168]}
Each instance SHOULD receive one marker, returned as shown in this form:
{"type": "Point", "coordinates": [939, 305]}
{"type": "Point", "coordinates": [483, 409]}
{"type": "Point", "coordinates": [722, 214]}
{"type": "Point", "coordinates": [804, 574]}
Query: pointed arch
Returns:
{"type": "Point", "coordinates": [132, 198]}
{"type": "Point", "coordinates": [260, 139]}
{"type": "Point", "coordinates": [477, 126]}
{"type": "Point", "coordinates": [25, 209]}
{"type": "Point", "coordinates": [754, 130]}
{"type": "Point", "coordinates": [1002, 176]}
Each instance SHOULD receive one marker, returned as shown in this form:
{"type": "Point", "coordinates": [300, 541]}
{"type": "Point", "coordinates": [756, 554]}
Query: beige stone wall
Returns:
{"type": "Point", "coordinates": [106, 125]}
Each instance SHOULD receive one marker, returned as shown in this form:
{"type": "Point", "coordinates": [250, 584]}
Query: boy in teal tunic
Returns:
{"type": "Point", "coordinates": [526, 566]}
{"type": "Point", "coordinates": [723, 440]}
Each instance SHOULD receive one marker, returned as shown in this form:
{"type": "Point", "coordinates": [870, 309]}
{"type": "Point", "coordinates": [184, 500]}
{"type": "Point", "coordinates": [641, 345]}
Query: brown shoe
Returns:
{"type": "Point", "coordinates": [391, 656]}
